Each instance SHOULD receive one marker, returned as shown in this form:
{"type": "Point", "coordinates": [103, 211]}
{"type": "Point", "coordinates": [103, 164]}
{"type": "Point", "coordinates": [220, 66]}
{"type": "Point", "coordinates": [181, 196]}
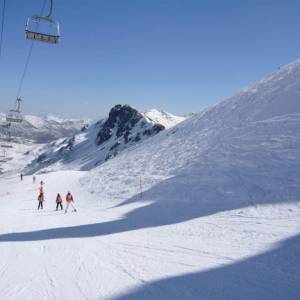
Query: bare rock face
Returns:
{"type": "Point", "coordinates": [122, 119]}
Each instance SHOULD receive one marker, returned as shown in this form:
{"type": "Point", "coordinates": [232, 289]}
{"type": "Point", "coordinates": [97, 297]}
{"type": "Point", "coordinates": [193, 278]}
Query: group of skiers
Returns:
{"type": "Point", "coordinates": [69, 201]}
{"type": "Point", "coordinates": [59, 200]}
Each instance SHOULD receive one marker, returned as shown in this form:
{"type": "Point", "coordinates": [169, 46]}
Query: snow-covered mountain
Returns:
{"type": "Point", "coordinates": [123, 128]}
{"type": "Point", "coordinates": [244, 149]}
{"type": "Point", "coordinates": [42, 129]}
{"type": "Point", "coordinates": [25, 140]}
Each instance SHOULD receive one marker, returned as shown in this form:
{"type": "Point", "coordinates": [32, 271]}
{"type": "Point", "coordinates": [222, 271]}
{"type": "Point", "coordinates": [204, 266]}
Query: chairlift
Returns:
{"type": "Point", "coordinates": [51, 36]}
{"type": "Point", "coordinates": [14, 115]}
{"type": "Point", "coordinates": [6, 125]}
{"type": "Point", "coordinates": [6, 146]}
{"type": "Point", "coordinates": [4, 160]}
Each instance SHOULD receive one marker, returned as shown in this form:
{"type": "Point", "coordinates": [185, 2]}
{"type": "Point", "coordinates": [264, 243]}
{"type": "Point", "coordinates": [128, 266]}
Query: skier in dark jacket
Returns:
{"type": "Point", "coordinates": [41, 200]}
{"type": "Point", "coordinates": [59, 202]}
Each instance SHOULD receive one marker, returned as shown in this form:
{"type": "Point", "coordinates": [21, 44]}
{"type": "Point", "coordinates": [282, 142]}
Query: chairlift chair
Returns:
{"type": "Point", "coordinates": [14, 115]}
{"type": "Point", "coordinates": [38, 35]}
{"type": "Point", "coordinates": [8, 139]}
{"type": "Point", "coordinates": [51, 36]}
{"type": "Point", "coordinates": [6, 146]}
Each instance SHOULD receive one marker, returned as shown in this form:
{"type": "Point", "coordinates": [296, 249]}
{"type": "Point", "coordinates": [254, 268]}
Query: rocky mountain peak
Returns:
{"type": "Point", "coordinates": [121, 120]}
{"type": "Point", "coordinates": [123, 128]}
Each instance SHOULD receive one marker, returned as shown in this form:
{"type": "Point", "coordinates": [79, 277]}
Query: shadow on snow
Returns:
{"type": "Point", "coordinates": [177, 199]}
{"type": "Point", "coordinates": [272, 275]}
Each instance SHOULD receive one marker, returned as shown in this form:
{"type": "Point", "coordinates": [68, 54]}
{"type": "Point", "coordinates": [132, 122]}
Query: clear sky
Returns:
{"type": "Point", "coordinates": [175, 55]}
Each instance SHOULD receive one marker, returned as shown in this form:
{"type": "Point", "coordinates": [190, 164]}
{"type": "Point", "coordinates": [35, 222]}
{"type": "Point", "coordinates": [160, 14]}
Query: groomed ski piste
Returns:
{"type": "Point", "coordinates": [208, 209]}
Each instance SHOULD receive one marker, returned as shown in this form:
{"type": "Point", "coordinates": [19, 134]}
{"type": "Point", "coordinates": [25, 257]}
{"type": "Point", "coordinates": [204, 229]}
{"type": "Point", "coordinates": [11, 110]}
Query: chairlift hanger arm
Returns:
{"type": "Point", "coordinates": [45, 17]}
{"type": "Point", "coordinates": [50, 9]}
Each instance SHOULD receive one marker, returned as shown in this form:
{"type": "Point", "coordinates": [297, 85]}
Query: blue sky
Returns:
{"type": "Point", "coordinates": [175, 55]}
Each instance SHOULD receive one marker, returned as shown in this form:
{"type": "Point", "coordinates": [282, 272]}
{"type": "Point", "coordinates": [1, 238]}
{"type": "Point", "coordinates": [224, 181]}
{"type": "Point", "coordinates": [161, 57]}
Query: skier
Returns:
{"type": "Point", "coordinates": [21, 176]}
{"type": "Point", "coordinates": [41, 200]}
{"type": "Point", "coordinates": [41, 189]}
{"type": "Point", "coordinates": [70, 201]}
{"type": "Point", "coordinates": [33, 179]}
{"type": "Point", "coordinates": [59, 202]}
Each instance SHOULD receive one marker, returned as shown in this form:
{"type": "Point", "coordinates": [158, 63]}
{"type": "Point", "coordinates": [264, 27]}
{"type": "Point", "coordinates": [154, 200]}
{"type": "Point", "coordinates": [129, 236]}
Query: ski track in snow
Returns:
{"type": "Point", "coordinates": [109, 265]}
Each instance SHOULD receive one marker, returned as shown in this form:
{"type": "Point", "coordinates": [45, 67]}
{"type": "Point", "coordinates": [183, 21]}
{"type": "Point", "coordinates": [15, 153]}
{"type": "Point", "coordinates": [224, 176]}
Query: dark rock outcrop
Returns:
{"type": "Point", "coordinates": [122, 118]}
{"type": "Point", "coordinates": [123, 128]}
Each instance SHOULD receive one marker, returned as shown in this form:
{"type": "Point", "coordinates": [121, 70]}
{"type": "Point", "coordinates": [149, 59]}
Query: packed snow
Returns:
{"type": "Point", "coordinates": [208, 209]}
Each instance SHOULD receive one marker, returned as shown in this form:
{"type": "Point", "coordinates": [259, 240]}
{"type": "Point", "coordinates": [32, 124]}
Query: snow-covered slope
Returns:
{"type": "Point", "coordinates": [123, 128]}
{"type": "Point", "coordinates": [244, 149]}
{"type": "Point", "coordinates": [237, 162]}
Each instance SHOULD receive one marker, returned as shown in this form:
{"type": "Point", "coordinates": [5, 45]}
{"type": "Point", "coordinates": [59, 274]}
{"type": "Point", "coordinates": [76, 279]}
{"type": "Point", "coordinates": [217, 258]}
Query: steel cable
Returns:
{"type": "Point", "coordinates": [2, 26]}
{"type": "Point", "coordinates": [29, 56]}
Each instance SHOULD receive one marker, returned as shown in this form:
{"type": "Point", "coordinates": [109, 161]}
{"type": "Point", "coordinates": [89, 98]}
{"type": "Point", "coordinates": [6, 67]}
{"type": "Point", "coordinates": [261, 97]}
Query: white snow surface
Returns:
{"type": "Point", "coordinates": [164, 118]}
{"type": "Point", "coordinates": [208, 209]}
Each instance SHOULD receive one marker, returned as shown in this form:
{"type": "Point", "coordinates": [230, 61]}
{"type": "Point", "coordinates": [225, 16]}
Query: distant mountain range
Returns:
{"type": "Point", "coordinates": [96, 143]}
{"type": "Point", "coordinates": [41, 129]}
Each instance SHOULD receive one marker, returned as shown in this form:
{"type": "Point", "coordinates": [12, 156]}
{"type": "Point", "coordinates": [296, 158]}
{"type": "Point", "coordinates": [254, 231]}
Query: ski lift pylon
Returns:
{"type": "Point", "coordinates": [39, 35]}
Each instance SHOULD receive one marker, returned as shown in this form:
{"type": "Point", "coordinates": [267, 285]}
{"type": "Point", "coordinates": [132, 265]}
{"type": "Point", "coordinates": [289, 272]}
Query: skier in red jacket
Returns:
{"type": "Point", "coordinates": [70, 201]}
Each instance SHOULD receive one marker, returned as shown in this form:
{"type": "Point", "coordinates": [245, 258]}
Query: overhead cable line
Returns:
{"type": "Point", "coordinates": [29, 56]}
{"type": "Point", "coordinates": [2, 25]}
